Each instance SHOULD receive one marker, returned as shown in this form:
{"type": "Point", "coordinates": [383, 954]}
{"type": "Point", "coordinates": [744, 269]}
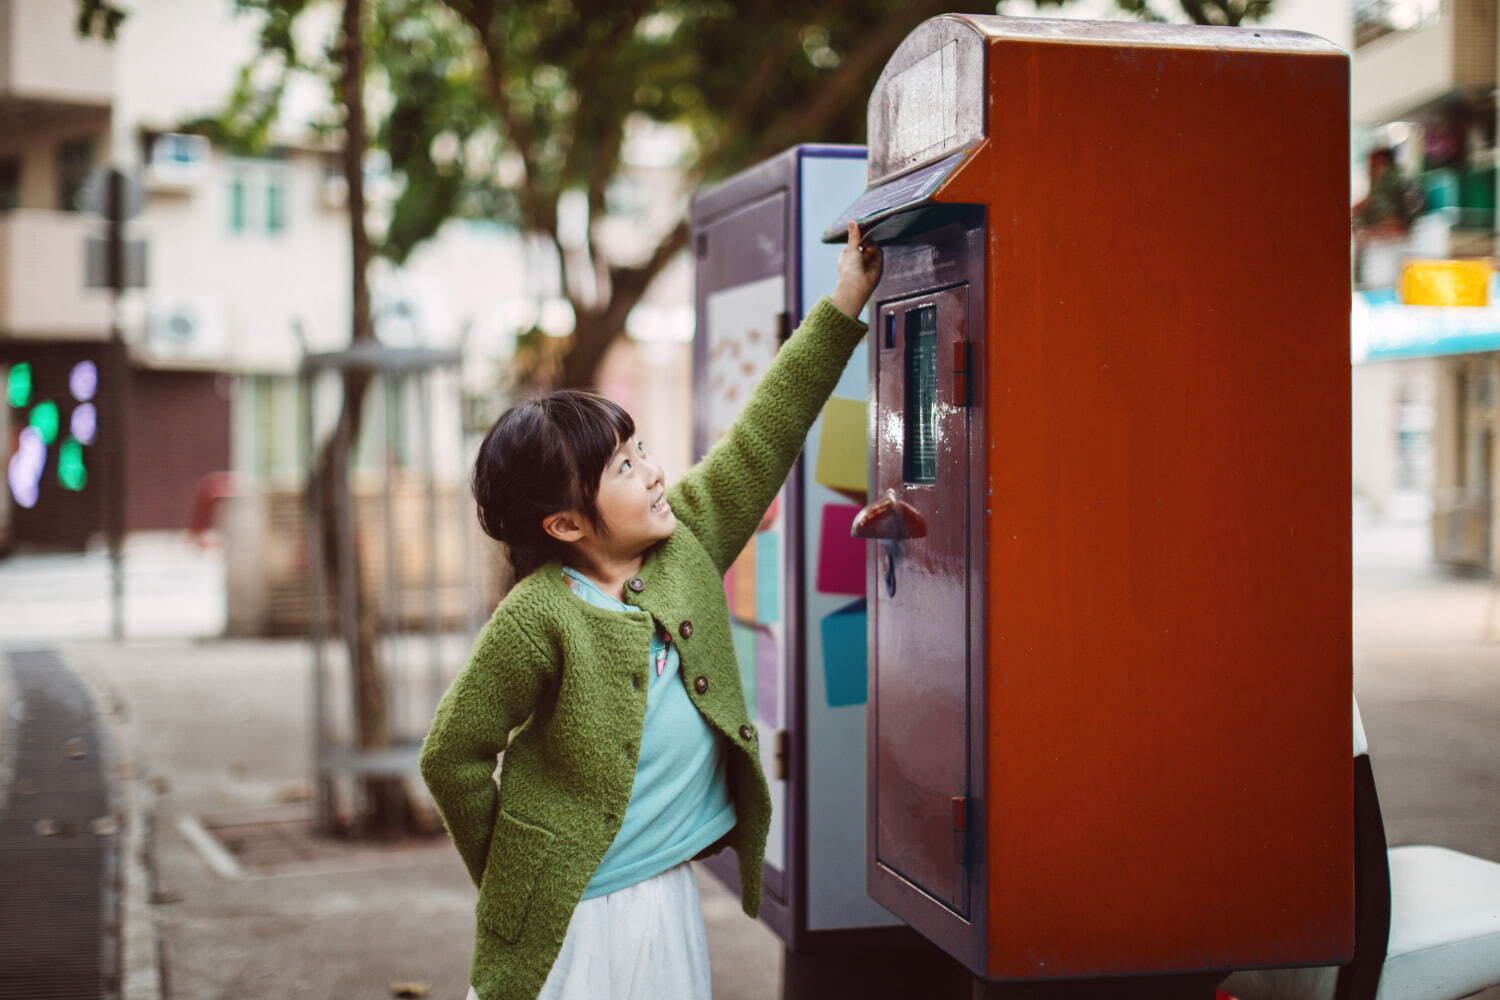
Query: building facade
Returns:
{"type": "Point", "coordinates": [1424, 77]}
{"type": "Point", "coordinates": [246, 265]}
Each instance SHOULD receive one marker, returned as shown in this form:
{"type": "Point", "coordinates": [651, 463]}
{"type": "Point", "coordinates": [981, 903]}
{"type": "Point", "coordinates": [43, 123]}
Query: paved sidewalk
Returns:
{"type": "Point", "coordinates": [216, 730]}
{"type": "Point", "coordinates": [1428, 684]}
{"type": "Point", "coordinates": [221, 731]}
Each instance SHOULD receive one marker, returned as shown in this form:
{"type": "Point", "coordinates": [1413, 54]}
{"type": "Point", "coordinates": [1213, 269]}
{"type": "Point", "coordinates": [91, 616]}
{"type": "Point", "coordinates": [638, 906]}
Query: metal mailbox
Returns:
{"type": "Point", "coordinates": [796, 593]}
{"type": "Point", "coordinates": [1109, 497]}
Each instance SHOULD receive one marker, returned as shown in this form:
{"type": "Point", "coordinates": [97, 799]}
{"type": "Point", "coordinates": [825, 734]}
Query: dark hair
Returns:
{"type": "Point", "coordinates": [540, 457]}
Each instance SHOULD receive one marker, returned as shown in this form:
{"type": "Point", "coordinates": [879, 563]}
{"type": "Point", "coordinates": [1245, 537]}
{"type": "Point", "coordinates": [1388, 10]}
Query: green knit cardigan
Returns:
{"type": "Point", "coordinates": [572, 677]}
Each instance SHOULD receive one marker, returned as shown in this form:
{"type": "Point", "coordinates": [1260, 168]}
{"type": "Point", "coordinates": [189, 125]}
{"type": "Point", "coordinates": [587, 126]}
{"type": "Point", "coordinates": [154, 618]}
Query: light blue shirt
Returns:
{"type": "Point", "coordinates": [679, 803]}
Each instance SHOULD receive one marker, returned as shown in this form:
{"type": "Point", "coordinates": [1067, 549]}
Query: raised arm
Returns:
{"type": "Point", "coordinates": [723, 497]}
{"type": "Point", "coordinates": [494, 693]}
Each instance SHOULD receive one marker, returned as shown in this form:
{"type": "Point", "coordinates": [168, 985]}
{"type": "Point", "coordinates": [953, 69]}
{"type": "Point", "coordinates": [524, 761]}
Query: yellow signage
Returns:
{"type": "Point", "coordinates": [1446, 282]}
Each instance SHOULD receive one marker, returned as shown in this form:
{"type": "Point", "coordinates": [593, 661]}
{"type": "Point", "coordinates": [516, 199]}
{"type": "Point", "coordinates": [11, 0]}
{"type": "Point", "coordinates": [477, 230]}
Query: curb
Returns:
{"type": "Point", "coordinates": [8, 730]}
{"type": "Point", "coordinates": [138, 936]}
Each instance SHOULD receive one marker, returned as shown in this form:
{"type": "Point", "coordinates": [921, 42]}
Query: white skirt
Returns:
{"type": "Point", "coordinates": [643, 942]}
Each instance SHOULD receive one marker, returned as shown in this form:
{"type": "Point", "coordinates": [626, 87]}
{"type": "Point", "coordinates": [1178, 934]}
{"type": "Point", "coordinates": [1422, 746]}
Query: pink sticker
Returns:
{"type": "Point", "coordinates": [841, 559]}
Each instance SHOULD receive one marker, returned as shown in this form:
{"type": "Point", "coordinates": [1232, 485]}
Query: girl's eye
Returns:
{"type": "Point", "coordinates": [624, 463]}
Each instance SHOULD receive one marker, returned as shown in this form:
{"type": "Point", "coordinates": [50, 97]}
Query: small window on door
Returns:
{"type": "Point", "coordinates": [920, 461]}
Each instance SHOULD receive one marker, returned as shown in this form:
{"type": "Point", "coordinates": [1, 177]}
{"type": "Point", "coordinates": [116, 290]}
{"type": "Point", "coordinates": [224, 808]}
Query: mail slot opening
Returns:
{"type": "Point", "coordinates": [920, 465]}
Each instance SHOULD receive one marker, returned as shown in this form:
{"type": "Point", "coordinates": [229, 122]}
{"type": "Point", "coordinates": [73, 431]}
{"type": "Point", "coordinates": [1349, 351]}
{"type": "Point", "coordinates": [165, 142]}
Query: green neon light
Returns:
{"type": "Point", "coordinates": [18, 385]}
{"type": "Point", "coordinates": [44, 419]}
{"type": "Point", "coordinates": [70, 470]}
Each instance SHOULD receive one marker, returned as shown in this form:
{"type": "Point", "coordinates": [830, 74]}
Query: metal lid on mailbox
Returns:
{"type": "Point", "coordinates": [906, 193]}
{"type": "Point", "coordinates": [928, 108]}
{"type": "Point", "coordinates": [926, 112]}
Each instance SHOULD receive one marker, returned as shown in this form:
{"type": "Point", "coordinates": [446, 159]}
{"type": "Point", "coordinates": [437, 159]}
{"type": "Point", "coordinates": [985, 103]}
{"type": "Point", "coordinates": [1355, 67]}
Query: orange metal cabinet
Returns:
{"type": "Point", "coordinates": [1109, 567]}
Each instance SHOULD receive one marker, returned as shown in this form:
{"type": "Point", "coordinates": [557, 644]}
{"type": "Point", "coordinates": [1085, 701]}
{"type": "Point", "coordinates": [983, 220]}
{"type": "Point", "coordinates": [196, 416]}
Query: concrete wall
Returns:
{"type": "Point", "coordinates": [42, 57]}
{"type": "Point", "coordinates": [42, 291]}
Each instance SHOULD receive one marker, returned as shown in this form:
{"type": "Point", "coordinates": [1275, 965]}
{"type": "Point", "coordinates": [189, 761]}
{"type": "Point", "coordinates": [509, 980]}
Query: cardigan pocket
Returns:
{"type": "Point", "coordinates": [515, 862]}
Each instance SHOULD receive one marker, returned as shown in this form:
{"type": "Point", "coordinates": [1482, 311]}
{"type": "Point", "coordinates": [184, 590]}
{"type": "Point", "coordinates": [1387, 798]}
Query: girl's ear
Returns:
{"type": "Point", "coordinates": [564, 525]}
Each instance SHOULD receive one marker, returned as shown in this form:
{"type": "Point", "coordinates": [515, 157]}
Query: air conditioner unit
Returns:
{"type": "Point", "coordinates": [187, 328]}
{"type": "Point", "coordinates": [178, 162]}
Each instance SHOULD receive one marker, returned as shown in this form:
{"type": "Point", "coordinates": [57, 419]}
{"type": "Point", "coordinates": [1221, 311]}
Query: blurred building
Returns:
{"type": "Point", "coordinates": [55, 103]}
{"type": "Point", "coordinates": [1423, 104]}
{"type": "Point", "coordinates": [246, 264]}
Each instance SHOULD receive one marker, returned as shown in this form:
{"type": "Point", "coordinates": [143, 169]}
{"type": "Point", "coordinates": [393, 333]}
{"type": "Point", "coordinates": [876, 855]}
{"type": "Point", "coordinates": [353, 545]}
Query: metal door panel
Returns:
{"type": "Point", "coordinates": [921, 595]}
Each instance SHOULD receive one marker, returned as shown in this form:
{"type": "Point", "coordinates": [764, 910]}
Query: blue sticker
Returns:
{"type": "Point", "coordinates": [845, 662]}
{"type": "Point", "coordinates": [767, 578]}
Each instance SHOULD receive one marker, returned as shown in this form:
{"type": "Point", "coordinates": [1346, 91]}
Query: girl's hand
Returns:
{"type": "Point", "coordinates": [859, 271]}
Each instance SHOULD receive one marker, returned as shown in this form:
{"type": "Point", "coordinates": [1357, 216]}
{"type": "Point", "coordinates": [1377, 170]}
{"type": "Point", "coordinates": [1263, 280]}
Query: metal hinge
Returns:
{"type": "Point", "coordinates": [783, 327]}
{"type": "Point", "coordinates": [962, 389]}
{"type": "Point", "coordinates": [960, 830]}
{"type": "Point", "coordinates": [779, 743]}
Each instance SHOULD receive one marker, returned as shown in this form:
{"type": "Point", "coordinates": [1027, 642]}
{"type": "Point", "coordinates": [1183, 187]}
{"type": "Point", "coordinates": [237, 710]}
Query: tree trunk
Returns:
{"type": "Point", "coordinates": [386, 809]}
{"type": "Point", "coordinates": [592, 336]}
{"type": "Point", "coordinates": [595, 331]}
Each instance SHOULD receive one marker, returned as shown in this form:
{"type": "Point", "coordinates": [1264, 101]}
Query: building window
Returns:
{"type": "Point", "coordinates": [236, 204]}
{"type": "Point", "coordinates": [257, 194]}
{"type": "Point", "coordinates": [266, 406]}
{"type": "Point", "coordinates": [75, 158]}
{"type": "Point", "coordinates": [275, 194]}
{"type": "Point", "coordinates": [1414, 418]}
{"type": "Point", "coordinates": [10, 183]}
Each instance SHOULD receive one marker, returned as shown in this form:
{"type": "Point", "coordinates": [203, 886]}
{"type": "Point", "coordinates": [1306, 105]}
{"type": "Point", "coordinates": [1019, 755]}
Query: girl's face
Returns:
{"type": "Point", "coordinates": [633, 499]}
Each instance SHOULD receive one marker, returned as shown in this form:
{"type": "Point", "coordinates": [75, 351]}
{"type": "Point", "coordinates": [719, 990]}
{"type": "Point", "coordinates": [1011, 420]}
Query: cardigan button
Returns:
{"type": "Point", "coordinates": [635, 681]}
{"type": "Point", "coordinates": [685, 629]}
{"type": "Point", "coordinates": [636, 584]}
{"type": "Point", "coordinates": [701, 684]}
{"type": "Point", "coordinates": [746, 733]}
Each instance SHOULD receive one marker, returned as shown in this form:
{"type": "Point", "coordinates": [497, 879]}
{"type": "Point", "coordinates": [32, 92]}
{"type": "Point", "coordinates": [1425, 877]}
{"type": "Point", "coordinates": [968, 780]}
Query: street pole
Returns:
{"type": "Point", "coordinates": [114, 214]}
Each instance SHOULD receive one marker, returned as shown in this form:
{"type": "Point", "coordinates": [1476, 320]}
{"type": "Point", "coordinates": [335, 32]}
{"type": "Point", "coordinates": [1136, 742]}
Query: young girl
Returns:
{"type": "Point", "coordinates": [608, 678]}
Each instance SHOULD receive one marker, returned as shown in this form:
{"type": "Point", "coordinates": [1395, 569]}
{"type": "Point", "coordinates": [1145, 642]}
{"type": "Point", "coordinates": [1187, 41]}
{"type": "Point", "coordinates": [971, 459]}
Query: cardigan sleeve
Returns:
{"type": "Point", "coordinates": [493, 694]}
{"type": "Point", "coordinates": [723, 497]}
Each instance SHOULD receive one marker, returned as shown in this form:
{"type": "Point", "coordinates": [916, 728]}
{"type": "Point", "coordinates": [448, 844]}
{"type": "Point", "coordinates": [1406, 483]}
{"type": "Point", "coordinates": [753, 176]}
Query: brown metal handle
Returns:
{"type": "Point", "coordinates": [888, 517]}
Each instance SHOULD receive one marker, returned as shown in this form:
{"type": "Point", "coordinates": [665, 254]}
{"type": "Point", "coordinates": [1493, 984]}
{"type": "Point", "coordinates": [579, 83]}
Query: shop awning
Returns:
{"type": "Point", "coordinates": [1382, 327]}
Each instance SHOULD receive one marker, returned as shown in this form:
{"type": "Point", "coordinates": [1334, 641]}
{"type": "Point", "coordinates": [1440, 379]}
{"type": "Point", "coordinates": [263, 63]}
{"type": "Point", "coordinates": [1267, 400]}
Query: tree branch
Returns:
{"type": "Point", "coordinates": [832, 92]}
{"type": "Point", "coordinates": [538, 213]}
{"type": "Point", "coordinates": [586, 76]}
{"type": "Point", "coordinates": [352, 90]}
{"type": "Point", "coordinates": [606, 163]}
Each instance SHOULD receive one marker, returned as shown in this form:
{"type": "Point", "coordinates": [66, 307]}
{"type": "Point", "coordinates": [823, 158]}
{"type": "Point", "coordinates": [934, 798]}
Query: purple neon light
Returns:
{"type": "Point", "coordinates": [25, 470]}
{"type": "Point", "coordinates": [84, 422]}
{"type": "Point", "coordinates": [83, 380]}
